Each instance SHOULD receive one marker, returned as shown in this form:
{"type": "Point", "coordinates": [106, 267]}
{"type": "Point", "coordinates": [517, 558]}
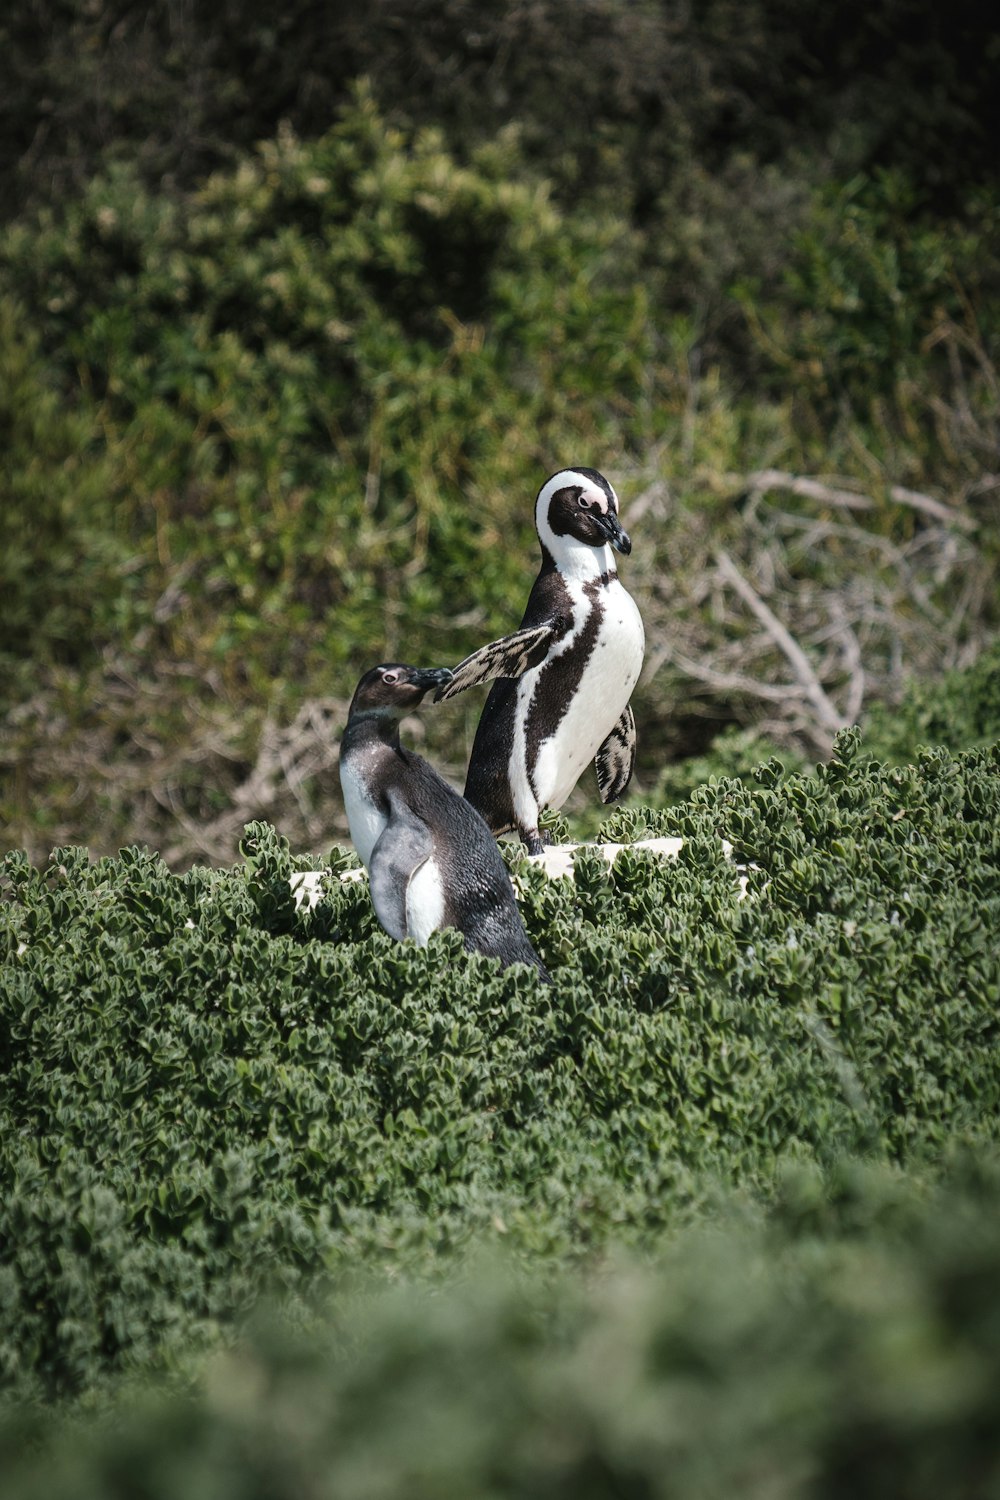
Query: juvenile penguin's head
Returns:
{"type": "Point", "coordinates": [576, 517]}
{"type": "Point", "coordinates": [392, 690]}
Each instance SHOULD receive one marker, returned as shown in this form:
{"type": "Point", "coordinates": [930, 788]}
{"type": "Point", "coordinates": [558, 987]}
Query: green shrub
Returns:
{"type": "Point", "coordinates": [752, 1360]}
{"type": "Point", "coordinates": [959, 710]}
{"type": "Point", "coordinates": [884, 304]}
{"type": "Point", "coordinates": [307, 366]}
{"type": "Point", "coordinates": [204, 1092]}
{"type": "Point", "coordinates": [311, 405]}
{"type": "Point", "coordinates": [291, 422]}
{"type": "Point", "coordinates": [61, 555]}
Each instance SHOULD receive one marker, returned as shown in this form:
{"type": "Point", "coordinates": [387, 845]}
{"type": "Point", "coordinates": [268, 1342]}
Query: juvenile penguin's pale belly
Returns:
{"type": "Point", "coordinates": [364, 819]}
{"type": "Point", "coordinates": [601, 697]}
{"type": "Point", "coordinates": [423, 902]}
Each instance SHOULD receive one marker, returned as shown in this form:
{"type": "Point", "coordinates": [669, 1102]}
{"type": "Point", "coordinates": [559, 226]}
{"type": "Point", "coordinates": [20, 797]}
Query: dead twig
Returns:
{"type": "Point", "coordinates": [844, 499]}
{"type": "Point", "coordinates": [288, 759]}
{"type": "Point", "coordinates": [826, 713]}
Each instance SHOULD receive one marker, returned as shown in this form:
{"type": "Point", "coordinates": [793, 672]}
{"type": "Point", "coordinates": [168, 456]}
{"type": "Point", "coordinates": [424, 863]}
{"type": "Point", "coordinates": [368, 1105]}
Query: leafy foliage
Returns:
{"type": "Point", "coordinates": [610, 95]}
{"type": "Point", "coordinates": [292, 367]}
{"type": "Point", "coordinates": [289, 422]}
{"type": "Point", "coordinates": [60, 556]}
{"type": "Point", "coordinates": [306, 412]}
{"type": "Point", "coordinates": [874, 294]}
{"type": "Point", "coordinates": [206, 1093]}
{"type": "Point", "coordinates": [754, 1359]}
{"type": "Point", "coordinates": [960, 709]}
{"type": "Point", "coordinates": [270, 411]}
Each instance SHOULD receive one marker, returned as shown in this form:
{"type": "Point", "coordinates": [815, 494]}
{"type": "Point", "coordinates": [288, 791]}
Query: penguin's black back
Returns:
{"type": "Point", "coordinates": [487, 784]}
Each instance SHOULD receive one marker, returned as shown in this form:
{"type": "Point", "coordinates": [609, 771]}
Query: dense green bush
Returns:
{"type": "Point", "coordinates": [60, 555]}
{"type": "Point", "coordinates": [204, 1093]}
{"type": "Point", "coordinates": [754, 1360]}
{"type": "Point", "coordinates": [261, 427]}
{"type": "Point", "coordinates": [300, 418]}
{"type": "Point", "coordinates": [959, 710]}
{"type": "Point", "coordinates": [611, 94]}
{"type": "Point", "coordinates": [291, 421]}
{"type": "Point", "coordinates": [300, 370]}
{"type": "Point", "coordinates": [878, 304]}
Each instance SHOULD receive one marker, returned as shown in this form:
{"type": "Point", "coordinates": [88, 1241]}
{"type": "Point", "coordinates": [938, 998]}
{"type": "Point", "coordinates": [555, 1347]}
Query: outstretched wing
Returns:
{"type": "Point", "coordinates": [616, 757]}
{"type": "Point", "coordinates": [511, 656]}
{"type": "Point", "coordinates": [400, 849]}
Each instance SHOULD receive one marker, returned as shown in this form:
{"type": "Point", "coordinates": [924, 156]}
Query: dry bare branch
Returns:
{"type": "Point", "coordinates": [928, 506]}
{"type": "Point", "coordinates": [810, 489]}
{"type": "Point", "coordinates": [853, 660]}
{"type": "Point", "coordinates": [797, 659]}
{"type": "Point", "coordinates": [845, 499]}
{"type": "Point", "coordinates": [733, 682]}
{"type": "Point", "coordinates": [288, 758]}
{"type": "Point", "coordinates": [863, 611]}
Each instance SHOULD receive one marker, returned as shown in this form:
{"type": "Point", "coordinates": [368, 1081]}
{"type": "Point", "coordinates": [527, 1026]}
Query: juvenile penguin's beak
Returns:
{"type": "Point", "coordinates": [612, 528]}
{"type": "Point", "coordinates": [426, 678]}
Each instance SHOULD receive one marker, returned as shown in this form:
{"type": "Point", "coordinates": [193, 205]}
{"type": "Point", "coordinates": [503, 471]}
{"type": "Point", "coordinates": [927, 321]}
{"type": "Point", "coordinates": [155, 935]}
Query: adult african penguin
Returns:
{"type": "Point", "coordinates": [431, 860]}
{"type": "Point", "coordinates": [566, 676]}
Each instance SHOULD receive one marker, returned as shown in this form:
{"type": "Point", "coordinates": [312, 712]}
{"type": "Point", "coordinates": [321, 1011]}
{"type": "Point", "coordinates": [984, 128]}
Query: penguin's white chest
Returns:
{"type": "Point", "coordinates": [600, 697]}
{"type": "Point", "coordinates": [364, 818]}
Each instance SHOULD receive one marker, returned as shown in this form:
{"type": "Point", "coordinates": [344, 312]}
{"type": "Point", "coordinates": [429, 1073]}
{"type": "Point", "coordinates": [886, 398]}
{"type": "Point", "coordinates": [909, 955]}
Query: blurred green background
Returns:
{"type": "Point", "coordinates": [298, 311]}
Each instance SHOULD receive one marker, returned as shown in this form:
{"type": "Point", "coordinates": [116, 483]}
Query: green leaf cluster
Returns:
{"type": "Point", "coordinates": [60, 558]}
{"type": "Point", "coordinates": [206, 1093]}
{"type": "Point", "coordinates": [318, 386]}
{"type": "Point", "coordinates": [754, 1359]}
{"type": "Point", "coordinates": [959, 710]}
{"type": "Point", "coordinates": [876, 300]}
{"type": "Point", "coordinates": [266, 431]}
{"type": "Point", "coordinates": [751, 1361]}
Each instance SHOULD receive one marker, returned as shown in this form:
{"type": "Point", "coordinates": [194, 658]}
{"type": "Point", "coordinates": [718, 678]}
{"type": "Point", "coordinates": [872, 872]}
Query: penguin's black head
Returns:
{"type": "Point", "coordinates": [393, 689]}
{"type": "Point", "coordinates": [579, 505]}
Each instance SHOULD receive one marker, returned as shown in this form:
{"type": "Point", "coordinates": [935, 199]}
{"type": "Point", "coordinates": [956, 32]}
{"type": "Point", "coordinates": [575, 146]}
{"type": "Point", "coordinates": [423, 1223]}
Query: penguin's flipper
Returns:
{"type": "Point", "coordinates": [404, 844]}
{"type": "Point", "coordinates": [616, 757]}
{"type": "Point", "coordinates": [510, 656]}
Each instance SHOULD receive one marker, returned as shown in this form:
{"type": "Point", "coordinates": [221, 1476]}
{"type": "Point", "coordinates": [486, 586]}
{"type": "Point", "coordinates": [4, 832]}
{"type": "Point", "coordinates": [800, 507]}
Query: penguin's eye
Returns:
{"type": "Point", "coordinates": [390, 677]}
{"type": "Point", "coordinates": [583, 501]}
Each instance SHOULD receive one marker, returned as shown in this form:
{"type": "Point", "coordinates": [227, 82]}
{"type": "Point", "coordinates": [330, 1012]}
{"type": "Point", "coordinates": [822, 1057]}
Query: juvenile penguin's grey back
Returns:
{"type": "Point", "coordinates": [478, 897]}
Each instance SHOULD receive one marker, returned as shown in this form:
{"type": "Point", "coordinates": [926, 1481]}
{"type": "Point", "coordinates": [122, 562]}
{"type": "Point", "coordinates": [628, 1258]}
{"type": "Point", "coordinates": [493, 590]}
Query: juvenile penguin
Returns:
{"type": "Point", "coordinates": [566, 676]}
{"type": "Point", "coordinates": [431, 860]}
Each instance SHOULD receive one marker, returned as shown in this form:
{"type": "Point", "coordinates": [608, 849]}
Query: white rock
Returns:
{"type": "Point", "coordinates": [307, 888]}
{"type": "Point", "coordinates": [556, 861]}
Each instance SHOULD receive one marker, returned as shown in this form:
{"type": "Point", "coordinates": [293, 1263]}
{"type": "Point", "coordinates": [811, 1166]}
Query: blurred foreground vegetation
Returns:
{"type": "Point", "coordinates": [289, 338]}
{"type": "Point", "coordinates": [845, 1346]}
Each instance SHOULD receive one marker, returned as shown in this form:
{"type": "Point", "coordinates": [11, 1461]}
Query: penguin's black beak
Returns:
{"type": "Point", "coordinates": [615, 533]}
{"type": "Point", "coordinates": [426, 678]}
